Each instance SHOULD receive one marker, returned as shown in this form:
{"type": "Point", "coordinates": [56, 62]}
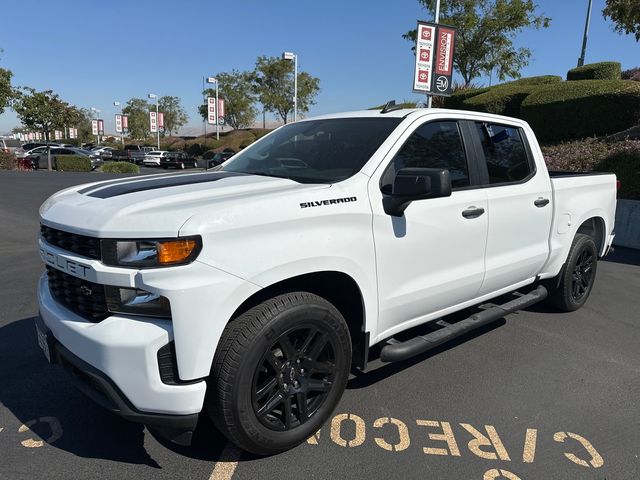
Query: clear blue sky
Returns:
{"type": "Point", "coordinates": [93, 53]}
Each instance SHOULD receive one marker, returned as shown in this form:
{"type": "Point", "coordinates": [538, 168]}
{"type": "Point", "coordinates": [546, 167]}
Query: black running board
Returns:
{"type": "Point", "coordinates": [402, 350]}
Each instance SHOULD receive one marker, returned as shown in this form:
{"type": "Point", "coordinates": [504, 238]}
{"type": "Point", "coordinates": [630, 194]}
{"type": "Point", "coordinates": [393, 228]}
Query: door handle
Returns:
{"type": "Point", "coordinates": [541, 202]}
{"type": "Point", "coordinates": [472, 212]}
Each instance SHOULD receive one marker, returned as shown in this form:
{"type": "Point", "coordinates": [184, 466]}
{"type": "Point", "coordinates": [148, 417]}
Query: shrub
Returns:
{"type": "Point", "coordinates": [582, 109]}
{"type": "Point", "coordinates": [585, 154]}
{"type": "Point", "coordinates": [596, 71]}
{"type": "Point", "coordinates": [626, 166]}
{"type": "Point", "coordinates": [501, 100]}
{"type": "Point", "coordinates": [539, 80]}
{"type": "Point", "coordinates": [7, 161]}
{"type": "Point", "coordinates": [631, 74]}
{"type": "Point", "coordinates": [72, 163]}
{"type": "Point", "coordinates": [456, 100]}
{"type": "Point", "coordinates": [120, 167]}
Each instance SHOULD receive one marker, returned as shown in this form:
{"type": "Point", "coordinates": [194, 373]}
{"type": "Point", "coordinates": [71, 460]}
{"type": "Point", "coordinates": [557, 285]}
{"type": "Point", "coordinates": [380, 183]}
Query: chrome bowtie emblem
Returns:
{"type": "Point", "coordinates": [84, 290]}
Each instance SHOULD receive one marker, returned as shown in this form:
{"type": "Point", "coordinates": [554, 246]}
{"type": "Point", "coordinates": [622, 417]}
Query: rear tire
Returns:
{"type": "Point", "coordinates": [279, 372]}
{"type": "Point", "coordinates": [571, 288]}
{"type": "Point", "coordinates": [181, 165]}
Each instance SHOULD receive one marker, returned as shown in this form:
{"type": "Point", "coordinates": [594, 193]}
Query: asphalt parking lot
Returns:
{"type": "Point", "coordinates": [537, 395]}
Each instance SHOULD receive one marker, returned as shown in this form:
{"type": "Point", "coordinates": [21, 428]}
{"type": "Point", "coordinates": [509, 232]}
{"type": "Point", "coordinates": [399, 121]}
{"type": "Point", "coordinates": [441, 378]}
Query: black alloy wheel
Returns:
{"type": "Point", "coordinates": [279, 371]}
{"type": "Point", "coordinates": [582, 276]}
{"type": "Point", "coordinates": [294, 377]}
{"type": "Point", "coordinates": [571, 288]}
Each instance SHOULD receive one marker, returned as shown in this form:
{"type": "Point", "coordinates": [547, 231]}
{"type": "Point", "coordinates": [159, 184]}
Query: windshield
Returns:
{"type": "Point", "coordinates": [315, 151]}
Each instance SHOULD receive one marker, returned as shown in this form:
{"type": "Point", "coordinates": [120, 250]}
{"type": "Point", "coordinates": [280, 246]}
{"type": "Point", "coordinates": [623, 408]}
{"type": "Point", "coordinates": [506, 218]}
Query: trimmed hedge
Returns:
{"type": "Point", "coordinates": [539, 80]}
{"type": "Point", "coordinates": [458, 97]}
{"type": "Point", "coordinates": [626, 166]}
{"type": "Point", "coordinates": [120, 167]}
{"type": "Point", "coordinates": [501, 100]}
{"type": "Point", "coordinates": [7, 161]}
{"type": "Point", "coordinates": [596, 71]}
{"type": "Point", "coordinates": [582, 109]}
{"type": "Point", "coordinates": [72, 163]}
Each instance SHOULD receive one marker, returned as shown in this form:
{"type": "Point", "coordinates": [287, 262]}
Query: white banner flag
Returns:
{"type": "Point", "coordinates": [94, 127]}
{"type": "Point", "coordinates": [118, 123]}
{"type": "Point", "coordinates": [211, 110]}
{"type": "Point", "coordinates": [153, 122]}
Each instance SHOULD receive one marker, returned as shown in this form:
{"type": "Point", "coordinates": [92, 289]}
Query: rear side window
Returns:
{"type": "Point", "coordinates": [505, 154]}
{"type": "Point", "coordinates": [432, 145]}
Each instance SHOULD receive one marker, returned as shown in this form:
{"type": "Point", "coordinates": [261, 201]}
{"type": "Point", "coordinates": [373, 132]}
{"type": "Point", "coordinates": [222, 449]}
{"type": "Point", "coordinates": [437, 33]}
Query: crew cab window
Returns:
{"type": "Point", "coordinates": [504, 152]}
{"type": "Point", "coordinates": [432, 145]}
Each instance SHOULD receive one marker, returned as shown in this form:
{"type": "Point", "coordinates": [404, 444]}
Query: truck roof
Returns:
{"type": "Point", "coordinates": [404, 112]}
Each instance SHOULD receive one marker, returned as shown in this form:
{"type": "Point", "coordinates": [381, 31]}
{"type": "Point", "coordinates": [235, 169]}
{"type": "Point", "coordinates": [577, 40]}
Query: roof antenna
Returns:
{"type": "Point", "coordinates": [390, 106]}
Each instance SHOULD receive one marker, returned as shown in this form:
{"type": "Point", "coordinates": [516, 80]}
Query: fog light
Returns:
{"type": "Point", "coordinates": [137, 302]}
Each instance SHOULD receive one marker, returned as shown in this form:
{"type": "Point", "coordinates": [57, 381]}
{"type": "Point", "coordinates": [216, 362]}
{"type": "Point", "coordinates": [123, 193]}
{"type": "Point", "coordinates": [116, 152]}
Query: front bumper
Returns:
{"type": "Point", "coordinates": [101, 389]}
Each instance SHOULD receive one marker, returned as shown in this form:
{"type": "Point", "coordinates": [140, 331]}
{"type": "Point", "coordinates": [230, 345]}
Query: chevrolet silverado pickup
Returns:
{"type": "Point", "coordinates": [249, 293]}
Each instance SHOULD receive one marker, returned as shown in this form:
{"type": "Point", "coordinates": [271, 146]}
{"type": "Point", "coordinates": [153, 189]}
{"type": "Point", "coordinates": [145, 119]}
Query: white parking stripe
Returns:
{"type": "Point", "coordinates": [226, 464]}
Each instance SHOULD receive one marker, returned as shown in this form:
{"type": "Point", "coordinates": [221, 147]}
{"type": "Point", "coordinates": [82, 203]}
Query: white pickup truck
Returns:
{"type": "Point", "coordinates": [250, 292]}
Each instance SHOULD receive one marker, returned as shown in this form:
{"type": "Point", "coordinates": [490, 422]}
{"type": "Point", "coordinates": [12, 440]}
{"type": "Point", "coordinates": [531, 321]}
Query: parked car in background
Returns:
{"type": "Point", "coordinates": [30, 152]}
{"type": "Point", "coordinates": [102, 151]}
{"type": "Point", "coordinates": [39, 161]}
{"type": "Point", "coordinates": [178, 160]}
{"type": "Point", "coordinates": [32, 145]}
{"type": "Point", "coordinates": [152, 159]}
{"type": "Point", "coordinates": [219, 158]}
{"type": "Point", "coordinates": [130, 153]}
{"type": "Point", "coordinates": [10, 145]}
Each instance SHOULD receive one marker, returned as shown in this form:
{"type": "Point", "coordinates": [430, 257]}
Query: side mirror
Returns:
{"type": "Point", "coordinates": [413, 184]}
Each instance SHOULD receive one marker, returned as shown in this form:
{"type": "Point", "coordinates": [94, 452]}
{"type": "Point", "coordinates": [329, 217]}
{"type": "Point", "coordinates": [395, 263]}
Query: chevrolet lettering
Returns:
{"type": "Point", "coordinates": [227, 293]}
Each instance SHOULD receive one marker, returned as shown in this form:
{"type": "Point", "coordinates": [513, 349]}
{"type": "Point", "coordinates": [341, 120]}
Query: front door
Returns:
{"type": "Point", "coordinates": [432, 257]}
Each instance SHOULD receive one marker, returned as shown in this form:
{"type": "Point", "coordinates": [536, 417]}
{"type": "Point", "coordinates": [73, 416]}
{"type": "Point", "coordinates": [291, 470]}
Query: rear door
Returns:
{"type": "Point", "coordinates": [520, 209]}
{"type": "Point", "coordinates": [432, 257]}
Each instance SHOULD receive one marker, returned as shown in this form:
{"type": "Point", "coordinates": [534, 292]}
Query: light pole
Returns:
{"type": "Point", "coordinates": [436, 20]}
{"type": "Point", "coordinates": [118, 104]}
{"type": "Point", "coordinates": [214, 80]}
{"type": "Point", "coordinates": [154, 96]}
{"type": "Point", "coordinates": [292, 56]}
{"type": "Point", "coordinates": [586, 34]}
{"type": "Point", "coordinates": [97, 113]}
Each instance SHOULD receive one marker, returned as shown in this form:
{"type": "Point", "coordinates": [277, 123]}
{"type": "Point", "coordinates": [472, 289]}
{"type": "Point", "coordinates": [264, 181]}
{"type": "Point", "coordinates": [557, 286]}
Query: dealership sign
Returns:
{"type": "Point", "coordinates": [433, 72]}
{"type": "Point", "coordinates": [211, 110]}
{"type": "Point", "coordinates": [153, 122]}
{"type": "Point", "coordinates": [161, 120]}
{"type": "Point", "coordinates": [125, 123]}
{"type": "Point", "coordinates": [100, 127]}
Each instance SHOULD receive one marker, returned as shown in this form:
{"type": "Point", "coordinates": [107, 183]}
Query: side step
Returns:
{"type": "Point", "coordinates": [397, 351]}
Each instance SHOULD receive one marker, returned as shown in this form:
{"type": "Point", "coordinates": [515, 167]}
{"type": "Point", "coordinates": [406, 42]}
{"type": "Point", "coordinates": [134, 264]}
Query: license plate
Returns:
{"type": "Point", "coordinates": [43, 343]}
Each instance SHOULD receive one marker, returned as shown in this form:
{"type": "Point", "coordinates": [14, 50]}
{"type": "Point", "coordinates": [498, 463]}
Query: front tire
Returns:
{"type": "Point", "coordinates": [279, 372]}
{"type": "Point", "coordinates": [571, 288]}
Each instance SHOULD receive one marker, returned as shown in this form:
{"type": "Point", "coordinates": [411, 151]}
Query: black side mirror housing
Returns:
{"type": "Point", "coordinates": [413, 184]}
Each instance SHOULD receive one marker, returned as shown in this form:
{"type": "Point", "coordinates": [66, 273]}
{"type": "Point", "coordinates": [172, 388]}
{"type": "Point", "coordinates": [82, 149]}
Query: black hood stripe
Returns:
{"type": "Point", "coordinates": [169, 181]}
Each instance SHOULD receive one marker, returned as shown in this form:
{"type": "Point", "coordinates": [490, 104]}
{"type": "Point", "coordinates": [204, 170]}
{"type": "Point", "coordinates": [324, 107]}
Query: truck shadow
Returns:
{"type": "Point", "coordinates": [42, 397]}
{"type": "Point", "coordinates": [627, 256]}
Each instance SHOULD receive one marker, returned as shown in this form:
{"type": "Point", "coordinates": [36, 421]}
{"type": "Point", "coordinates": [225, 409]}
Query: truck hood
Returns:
{"type": "Point", "coordinates": [157, 205]}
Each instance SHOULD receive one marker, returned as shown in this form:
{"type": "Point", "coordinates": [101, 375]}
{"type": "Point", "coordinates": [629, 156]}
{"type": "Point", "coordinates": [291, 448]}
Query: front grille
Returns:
{"type": "Point", "coordinates": [87, 299]}
{"type": "Point", "coordinates": [80, 244]}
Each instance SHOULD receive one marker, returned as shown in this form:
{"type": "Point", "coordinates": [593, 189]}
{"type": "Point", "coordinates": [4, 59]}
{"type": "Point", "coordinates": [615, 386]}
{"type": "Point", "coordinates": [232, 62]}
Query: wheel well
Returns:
{"type": "Point", "coordinates": [336, 287]}
{"type": "Point", "coordinates": [594, 227]}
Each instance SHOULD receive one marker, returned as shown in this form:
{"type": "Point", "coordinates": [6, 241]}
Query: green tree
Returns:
{"type": "Point", "coordinates": [79, 118]}
{"type": "Point", "coordinates": [138, 111]}
{"type": "Point", "coordinates": [236, 88]}
{"type": "Point", "coordinates": [6, 92]}
{"type": "Point", "coordinates": [273, 81]}
{"type": "Point", "coordinates": [175, 115]}
{"type": "Point", "coordinates": [625, 14]}
{"type": "Point", "coordinates": [485, 33]}
{"type": "Point", "coordinates": [43, 111]}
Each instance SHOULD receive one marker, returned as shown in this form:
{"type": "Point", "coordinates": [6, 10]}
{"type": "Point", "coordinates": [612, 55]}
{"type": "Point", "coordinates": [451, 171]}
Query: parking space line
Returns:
{"type": "Point", "coordinates": [226, 464]}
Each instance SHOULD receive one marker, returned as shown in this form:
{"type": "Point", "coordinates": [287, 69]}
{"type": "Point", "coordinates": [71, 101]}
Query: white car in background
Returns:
{"type": "Point", "coordinates": [153, 158]}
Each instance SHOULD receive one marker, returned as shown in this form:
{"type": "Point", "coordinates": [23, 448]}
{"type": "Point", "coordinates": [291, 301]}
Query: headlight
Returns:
{"type": "Point", "coordinates": [137, 302]}
{"type": "Point", "coordinates": [150, 253]}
